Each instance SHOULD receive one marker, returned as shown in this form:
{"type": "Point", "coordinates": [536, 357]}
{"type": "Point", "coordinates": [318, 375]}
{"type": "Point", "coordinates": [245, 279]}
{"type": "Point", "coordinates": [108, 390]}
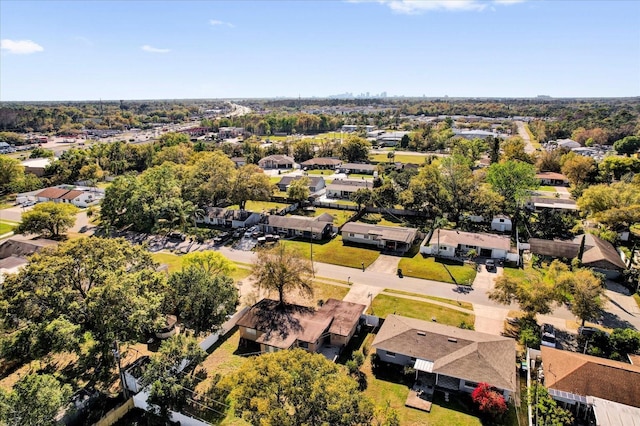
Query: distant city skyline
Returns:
{"type": "Point", "coordinates": [65, 50]}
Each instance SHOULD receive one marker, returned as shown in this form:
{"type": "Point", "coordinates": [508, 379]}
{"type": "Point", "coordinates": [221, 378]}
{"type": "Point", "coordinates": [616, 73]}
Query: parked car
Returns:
{"type": "Point", "coordinates": [548, 336]}
{"type": "Point", "coordinates": [490, 265]}
{"type": "Point", "coordinates": [588, 331]}
{"type": "Point", "coordinates": [177, 236]}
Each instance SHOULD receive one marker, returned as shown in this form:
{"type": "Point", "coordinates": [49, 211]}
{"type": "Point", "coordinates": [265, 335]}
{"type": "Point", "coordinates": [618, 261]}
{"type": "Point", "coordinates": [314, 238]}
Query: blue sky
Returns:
{"type": "Point", "coordinates": [80, 50]}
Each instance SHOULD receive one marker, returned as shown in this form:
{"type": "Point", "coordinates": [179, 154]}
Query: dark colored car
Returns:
{"type": "Point", "coordinates": [548, 336]}
{"type": "Point", "coordinates": [490, 265]}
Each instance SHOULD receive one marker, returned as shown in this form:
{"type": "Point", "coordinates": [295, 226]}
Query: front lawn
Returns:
{"type": "Point", "coordinates": [636, 297]}
{"type": "Point", "coordinates": [384, 305]}
{"type": "Point", "coordinates": [547, 188]}
{"type": "Point", "coordinates": [335, 252]}
{"type": "Point", "coordinates": [428, 268]}
{"type": "Point", "coordinates": [6, 227]}
{"type": "Point", "coordinates": [465, 305]}
{"type": "Point", "coordinates": [381, 219]}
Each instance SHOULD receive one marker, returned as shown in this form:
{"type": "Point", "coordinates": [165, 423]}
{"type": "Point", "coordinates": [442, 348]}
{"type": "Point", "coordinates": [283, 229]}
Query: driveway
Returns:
{"type": "Point", "coordinates": [385, 264]}
{"type": "Point", "coordinates": [485, 280]}
{"type": "Point", "coordinates": [490, 319]}
{"type": "Point", "coordinates": [362, 293]}
{"type": "Point", "coordinates": [14, 213]}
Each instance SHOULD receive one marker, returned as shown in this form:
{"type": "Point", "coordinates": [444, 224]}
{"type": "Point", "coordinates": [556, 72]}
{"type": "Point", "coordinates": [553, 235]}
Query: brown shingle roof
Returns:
{"type": "Point", "coordinates": [551, 175]}
{"type": "Point", "coordinates": [23, 246]}
{"type": "Point", "coordinates": [278, 159]}
{"type": "Point", "coordinates": [71, 195]}
{"type": "Point", "coordinates": [588, 375]}
{"type": "Point", "coordinates": [322, 161]}
{"type": "Point", "coordinates": [349, 185]}
{"type": "Point", "coordinates": [52, 193]}
{"type": "Point", "coordinates": [284, 325]}
{"type": "Point", "coordinates": [596, 251]}
{"type": "Point", "coordinates": [455, 352]}
{"type": "Point", "coordinates": [359, 166]}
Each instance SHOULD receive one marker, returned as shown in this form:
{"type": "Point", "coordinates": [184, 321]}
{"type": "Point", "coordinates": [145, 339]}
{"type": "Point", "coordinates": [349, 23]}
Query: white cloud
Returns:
{"type": "Point", "coordinates": [216, 22]}
{"type": "Point", "coordinates": [20, 47]}
{"type": "Point", "coordinates": [418, 6]}
{"type": "Point", "coordinates": [151, 49]}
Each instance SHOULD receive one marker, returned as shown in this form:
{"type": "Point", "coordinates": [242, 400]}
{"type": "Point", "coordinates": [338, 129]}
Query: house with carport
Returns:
{"type": "Point", "coordinates": [343, 188]}
{"type": "Point", "coordinates": [448, 358]}
{"type": "Point", "coordinates": [552, 179]}
{"type": "Point", "coordinates": [393, 238]}
{"type": "Point", "coordinates": [230, 218]}
{"type": "Point", "coordinates": [316, 183]}
{"type": "Point", "coordinates": [454, 243]}
{"type": "Point", "coordinates": [306, 227]}
{"type": "Point", "coordinates": [326, 163]}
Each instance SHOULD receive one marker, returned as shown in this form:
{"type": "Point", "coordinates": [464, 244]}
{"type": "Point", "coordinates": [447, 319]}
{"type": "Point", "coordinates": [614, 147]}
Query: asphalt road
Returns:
{"type": "Point", "coordinates": [522, 132]}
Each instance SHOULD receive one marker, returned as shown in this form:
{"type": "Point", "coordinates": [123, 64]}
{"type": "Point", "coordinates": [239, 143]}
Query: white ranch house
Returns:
{"type": "Point", "coordinates": [453, 243]}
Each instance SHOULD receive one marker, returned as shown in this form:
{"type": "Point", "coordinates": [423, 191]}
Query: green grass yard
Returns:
{"type": "Point", "coordinates": [465, 305]}
{"type": "Point", "coordinates": [340, 217]}
{"type": "Point", "coordinates": [335, 252]}
{"type": "Point", "coordinates": [547, 188]}
{"type": "Point", "coordinates": [399, 158]}
{"type": "Point", "coordinates": [384, 305]}
{"type": "Point", "coordinates": [6, 227]}
{"type": "Point", "coordinates": [260, 206]}
{"type": "Point", "coordinates": [428, 268]}
{"type": "Point", "coordinates": [636, 297]}
{"type": "Point", "coordinates": [174, 262]}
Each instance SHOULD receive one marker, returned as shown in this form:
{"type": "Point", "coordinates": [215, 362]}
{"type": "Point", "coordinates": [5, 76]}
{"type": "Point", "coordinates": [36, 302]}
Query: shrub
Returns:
{"type": "Point", "coordinates": [488, 400]}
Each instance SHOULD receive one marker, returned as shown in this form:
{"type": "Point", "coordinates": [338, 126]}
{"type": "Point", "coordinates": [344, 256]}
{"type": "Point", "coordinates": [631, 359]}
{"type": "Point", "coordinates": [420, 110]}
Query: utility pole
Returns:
{"type": "Point", "coordinates": [116, 355]}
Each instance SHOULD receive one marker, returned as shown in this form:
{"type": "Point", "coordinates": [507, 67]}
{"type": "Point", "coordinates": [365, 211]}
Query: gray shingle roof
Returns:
{"type": "Point", "coordinates": [388, 233]}
{"type": "Point", "coordinates": [455, 352]}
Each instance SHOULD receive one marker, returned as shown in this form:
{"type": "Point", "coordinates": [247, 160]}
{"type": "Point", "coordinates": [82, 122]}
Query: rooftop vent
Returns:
{"type": "Point", "coordinates": [421, 333]}
{"type": "Point", "coordinates": [452, 340]}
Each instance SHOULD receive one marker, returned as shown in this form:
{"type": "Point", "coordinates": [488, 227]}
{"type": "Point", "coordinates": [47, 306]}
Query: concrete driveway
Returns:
{"type": "Point", "coordinates": [14, 213]}
{"type": "Point", "coordinates": [385, 264]}
{"type": "Point", "coordinates": [485, 280]}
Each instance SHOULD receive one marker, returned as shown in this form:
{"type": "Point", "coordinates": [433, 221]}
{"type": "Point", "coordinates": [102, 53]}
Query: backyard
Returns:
{"type": "Point", "coordinates": [429, 268]}
{"type": "Point", "coordinates": [261, 206]}
{"type": "Point", "coordinates": [174, 263]}
{"type": "Point", "coordinates": [384, 305]}
{"type": "Point", "coordinates": [340, 217]}
{"type": "Point", "coordinates": [398, 158]}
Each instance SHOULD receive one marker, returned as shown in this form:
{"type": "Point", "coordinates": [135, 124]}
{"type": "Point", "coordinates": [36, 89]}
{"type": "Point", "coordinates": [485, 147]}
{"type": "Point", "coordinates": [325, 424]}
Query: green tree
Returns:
{"type": "Point", "coordinates": [298, 191]}
{"type": "Point", "coordinates": [172, 139]}
{"type": "Point", "coordinates": [627, 145]}
{"type": "Point", "coordinates": [211, 262]}
{"type": "Point", "coordinates": [588, 295]}
{"type": "Point", "coordinates": [578, 169]}
{"type": "Point", "coordinates": [251, 183]}
{"type": "Point", "coordinates": [211, 178]}
{"type": "Point", "coordinates": [545, 409]}
{"type": "Point", "coordinates": [178, 154]}
{"type": "Point", "coordinates": [296, 387]}
{"type": "Point", "coordinates": [41, 153]}
{"type": "Point", "coordinates": [10, 171]}
{"type": "Point", "coordinates": [612, 205]}
{"type": "Point", "coordinates": [35, 400]}
{"type": "Point", "coordinates": [200, 300]}
{"type": "Point", "coordinates": [513, 180]}
{"type": "Point", "coordinates": [513, 149]}
{"type": "Point", "coordinates": [355, 149]}
{"type": "Point", "coordinates": [533, 294]}
{"type": "Point", "coordinates": [302, 150]}
{"type": "Point", "coordinates": [107, 287]}
{"type": "Point", "coordinates": [50, 219]}
{"type": "Point", "coordinates": [282, 269]}
{"type": "Point", "coordinates": [92, 173]}
{"type": "Point", "coordinates": [362, 197]}
{"type": "Point", "coordinates": [170, 374]}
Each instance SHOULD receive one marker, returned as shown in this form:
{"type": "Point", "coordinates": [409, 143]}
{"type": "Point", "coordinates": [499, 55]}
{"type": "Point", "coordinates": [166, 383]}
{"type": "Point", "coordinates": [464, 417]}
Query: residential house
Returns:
{"type": "Point", "coordinates": [555, 203]}
{"type": "Point", "coordinates": [552, 179]}
{"type": "Point", "coordinates": [316, 228]}
{"type": "Point", "coordinates": [501, 223]}
{"type": "Point", "coordinates": [395, 238]}
{"type": "Point", "coordinates": [218, 216]}
{"type": "Point", "coordinates": [608, 413]}
{"type": "Point", "coordinates": [572, 377]}
{"type": "Point", "coordinates": [598, 254]}
{"type": "Point", "coordinates": [14, 252]}
{"type": "Point", "coordinates": [322, 163]}
{"type": "Point", "coordinates": [454, 243]}
{"type": "Point", "coordinates": [448, 358]}
{"type": "Point", "coordinates": [343, 188]}
{"type": "Point", "coordinates": [360, 168]}
{"type": "Point", "coordinates": [316, 183]}
{"type": "Point", "coordinates": [567, 143]}
{"type": "Point", "coordinates": [277, 162]}
{"type": "Point", "coordinates": [275, 327]}
{"type": "Point", "coordinates": [239, 161]}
